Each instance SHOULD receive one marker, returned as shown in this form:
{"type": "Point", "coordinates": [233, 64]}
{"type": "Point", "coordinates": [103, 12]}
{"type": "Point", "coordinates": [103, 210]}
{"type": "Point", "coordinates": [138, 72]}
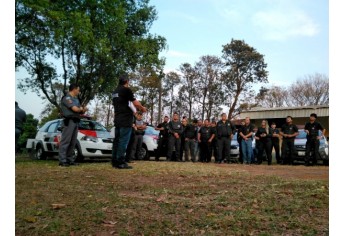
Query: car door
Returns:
{"type": "Point", "coordinates": [50, 137]}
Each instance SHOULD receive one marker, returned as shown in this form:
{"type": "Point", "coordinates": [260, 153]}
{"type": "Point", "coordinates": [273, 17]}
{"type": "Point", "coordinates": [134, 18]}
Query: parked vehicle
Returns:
{"type": "Point", "coordinates": [300, 147]}
{"type": "Point", "coordinates": [150, 143]}
{"type": "Point", "coordinates": [234, 148]}
{"type": "Point", "coordinates": [93, 140]}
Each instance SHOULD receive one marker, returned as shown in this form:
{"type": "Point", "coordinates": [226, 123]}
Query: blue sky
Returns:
{"type": "Point", "coordinates": [291, 34]}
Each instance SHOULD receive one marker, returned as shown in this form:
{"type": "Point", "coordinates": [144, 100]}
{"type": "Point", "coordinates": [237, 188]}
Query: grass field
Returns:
{"type": "Point", "coordinates": [168, 198]}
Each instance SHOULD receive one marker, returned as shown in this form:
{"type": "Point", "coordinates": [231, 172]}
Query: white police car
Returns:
{"type": "Point", "coordinates": [93, 140]}
{"type": "Point", "coordinates": [150, 142]}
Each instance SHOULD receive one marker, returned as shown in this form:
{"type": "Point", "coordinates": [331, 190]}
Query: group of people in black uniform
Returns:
{"type": "Point", "coordinates": [197, 141]}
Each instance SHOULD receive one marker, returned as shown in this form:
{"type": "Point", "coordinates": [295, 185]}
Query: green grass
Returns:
{"type": "Point", "coordinates": [168, 199]}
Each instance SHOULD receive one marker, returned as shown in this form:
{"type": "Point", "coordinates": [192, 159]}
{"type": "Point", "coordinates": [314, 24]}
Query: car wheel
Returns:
{"type": "Point", "coordinates": [77, 156]}
{"type": "Point", "coordinates": [39, 153]}
{"type": "Point", "coordinates": [143, 153]}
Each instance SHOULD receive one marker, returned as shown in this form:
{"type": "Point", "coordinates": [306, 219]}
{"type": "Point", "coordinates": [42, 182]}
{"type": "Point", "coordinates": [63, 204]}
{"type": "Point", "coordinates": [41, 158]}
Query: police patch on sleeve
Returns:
{"type": "Point", "coordinates": [69, 100]}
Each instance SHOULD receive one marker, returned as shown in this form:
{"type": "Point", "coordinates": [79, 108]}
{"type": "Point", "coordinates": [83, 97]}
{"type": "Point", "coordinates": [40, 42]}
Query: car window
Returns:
{"type": "Point", "coordinates": [91, 125]}
{"type": "Point", "coordinates": [52, 127]}
{"type": "Point", "coordinates": [303, 135]}
{"type": "Point", "coordinates": [45, 127]}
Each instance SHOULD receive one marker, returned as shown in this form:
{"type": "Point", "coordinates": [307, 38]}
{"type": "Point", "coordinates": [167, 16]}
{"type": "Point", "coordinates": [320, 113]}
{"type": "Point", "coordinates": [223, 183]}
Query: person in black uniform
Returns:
{"type": "Point", "coordinates": [197, 144]}
{"type": "Point", "coordinates": [289, 132]}
{"type": "Point", "coordinates": [263, 138]}
{"type": "Point", "coordinates": [191, 135]}
{"type": "Point", "coordinates": [163, 138]}
{"type": "Point", "coordinates": [139, 130]}
{"type": "Point", "coordinates": [205, 137]}
{"type": "Point", "coordinates": [20, 118]}
{"type": "Point", "coordinates": [239, 140]}
{"type": "Point", "coordinates": [214, 144]}
{"type": "Point", "coordinates": [122, 96]}
{"type": "Point", "coordinates": [225, 132]}
{"type": "Point", "coordinates": [313, 139]}
{"type": "Point", "coordinates": [175, 130]}
{"type": "Point", "coordinates": [276, 142]}
{"type": "Point", "coordinates": [71, 110]}
{"type": "Point", "coordinates": [184, 126]}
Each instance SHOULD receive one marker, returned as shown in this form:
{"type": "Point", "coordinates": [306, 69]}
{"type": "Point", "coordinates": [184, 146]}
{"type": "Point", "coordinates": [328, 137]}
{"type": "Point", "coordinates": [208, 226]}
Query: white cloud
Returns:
{"type": "Point", "coordinates": [276, 25]}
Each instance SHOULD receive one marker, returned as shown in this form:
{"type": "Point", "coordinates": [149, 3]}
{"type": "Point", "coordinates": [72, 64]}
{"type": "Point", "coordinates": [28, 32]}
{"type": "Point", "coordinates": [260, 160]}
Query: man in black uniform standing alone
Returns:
{"type": "Point", "coordinates": [175, 130]}
{"type": "Point", "coordinates": [163, 138]}
{"type": "Point", "coordinates": [289, 132]}
{"type": "Point", "coordinates": [123, 121]}
{"type": "Point", "coordinates": [313, 139]}
{"type": "Point", "coordinates": [71, 110]}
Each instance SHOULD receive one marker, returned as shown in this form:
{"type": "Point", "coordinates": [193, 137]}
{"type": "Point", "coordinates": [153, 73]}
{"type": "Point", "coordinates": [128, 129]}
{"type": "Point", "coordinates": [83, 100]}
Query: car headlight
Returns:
{"type": "Point", "coordinates": [90, 138]}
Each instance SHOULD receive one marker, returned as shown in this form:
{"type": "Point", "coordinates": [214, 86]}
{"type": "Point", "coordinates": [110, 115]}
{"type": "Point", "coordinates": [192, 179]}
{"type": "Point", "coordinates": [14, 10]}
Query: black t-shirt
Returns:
{"type": "Point", "coordinates": [289, 129]}
{"type": "Point", "coordinates": [246, 129]}
{"type": "Point", "coordinates": [206, 133]}
{"type": "Point", "coordinates": [267, 138]}
{"type": "Point", "coordinates": [275, 131]}
{"type": "Point", "coordinates": [191, 131]}
{"type": "Point", "coordinates": [224, 129]}
{"type": "Point", "coordinates": [175, 127]}
{"type": "Point", "coordinates": [313, 129]}
{"type": "Point", "coordinates": [123, 113]}
{"type": "Point", "coordinates": [163, 133]}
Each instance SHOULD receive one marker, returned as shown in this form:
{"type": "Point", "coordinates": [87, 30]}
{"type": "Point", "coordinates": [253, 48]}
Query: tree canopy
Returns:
{"type": "Point", "coordinates": [87, 42]}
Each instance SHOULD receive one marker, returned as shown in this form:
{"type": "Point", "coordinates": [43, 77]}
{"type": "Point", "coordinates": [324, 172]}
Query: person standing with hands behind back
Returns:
{"type": "Point", "coordinates": [122, 96]}
{"type": "Point", "coordinates": [71, 110]}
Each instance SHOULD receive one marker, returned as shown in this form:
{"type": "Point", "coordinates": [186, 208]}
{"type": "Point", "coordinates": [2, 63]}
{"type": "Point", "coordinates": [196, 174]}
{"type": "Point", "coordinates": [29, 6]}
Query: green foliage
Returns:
{"type": "Point", "coordinates": [92, 42]}
{"type": "Point", "coordinates": [52, 114]}
{"type": "Point", "coordinates": [29, 130]}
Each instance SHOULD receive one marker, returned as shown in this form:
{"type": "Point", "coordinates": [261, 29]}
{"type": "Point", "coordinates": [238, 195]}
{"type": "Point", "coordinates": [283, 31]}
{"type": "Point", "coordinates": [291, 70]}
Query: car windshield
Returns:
{"type": "Point", "coordinates": [235, 136]}
{"type": "Point", "coordinates": [91, 125]}
{"type": "Point", "coordinates": [302, 134]}
{"type": "Point", "coordinates": [151, 131]}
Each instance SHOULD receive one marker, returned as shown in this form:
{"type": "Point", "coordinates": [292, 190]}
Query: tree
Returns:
{"type": "Point", "coordinates": [188, 92]}
{"type": "Point", "coordinates": [208, 71]}
{"type": "Point", "coordinates": [29, 130]}
{"type": "Point", "coordinates": [95, 41]}
{"type": "Point", "coordinates": [313, 89]}
{"type": "Point", "coordinates": [170, 83]}
{"type": "Point", "coordinates": [244, 67]}
{"type": "Point", "coordinates": [274, 96]}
